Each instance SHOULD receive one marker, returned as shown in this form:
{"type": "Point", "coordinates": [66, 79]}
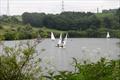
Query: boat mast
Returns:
{"type": "Point", "coordinates": [62, 6]}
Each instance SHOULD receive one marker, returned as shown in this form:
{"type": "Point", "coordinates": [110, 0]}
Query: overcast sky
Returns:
{"type": "Point", "coordinates": [17, 7]}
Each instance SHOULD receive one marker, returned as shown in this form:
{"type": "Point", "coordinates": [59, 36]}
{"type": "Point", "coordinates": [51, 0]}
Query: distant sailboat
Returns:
{"type": "Point", "coordinates": [59, 41]}
{"type": "Point", "coordinates": [52, 36]}
{"type": "Point", "coordinates": [108, 35]}
{"type": "Point", "coordinates": [64, 41]}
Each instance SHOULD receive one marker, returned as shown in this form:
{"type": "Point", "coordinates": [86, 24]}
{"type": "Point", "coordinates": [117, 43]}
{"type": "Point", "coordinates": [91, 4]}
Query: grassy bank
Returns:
{"type": "Point", "coordinates": [21, 31]}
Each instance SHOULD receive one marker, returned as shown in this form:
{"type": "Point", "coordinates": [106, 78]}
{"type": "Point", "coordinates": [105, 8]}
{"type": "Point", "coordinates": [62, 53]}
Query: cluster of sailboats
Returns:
{"type": "Point", "coordinates": [61, 42]}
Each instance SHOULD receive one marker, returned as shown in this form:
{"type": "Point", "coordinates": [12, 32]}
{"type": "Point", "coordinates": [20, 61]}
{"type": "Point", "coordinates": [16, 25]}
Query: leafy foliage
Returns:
{"type": "Point", "coordinates": [102, 70]}
{"type": "Point", "coordinates": [19, 63]}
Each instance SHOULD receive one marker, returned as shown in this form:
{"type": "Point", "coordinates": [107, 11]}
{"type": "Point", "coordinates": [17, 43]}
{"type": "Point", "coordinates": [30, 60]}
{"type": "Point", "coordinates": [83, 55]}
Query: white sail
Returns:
{"type": "Point", "coordinates": [60, 39]}
{"type": "Point", "coordinates": [65, 40]}
{"type": "Point", "coordinates": [108, 35]}
{"type": "Point", "coordinates": [52, 36]}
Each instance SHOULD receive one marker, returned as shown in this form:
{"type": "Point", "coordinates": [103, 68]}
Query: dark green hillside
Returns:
{"type": "Point", "coordinates": [76, 24]}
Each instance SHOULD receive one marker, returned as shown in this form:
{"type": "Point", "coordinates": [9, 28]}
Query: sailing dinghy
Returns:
{"type": "Point", "coordinates": [62, 42]}
{"type": "Point", "coordinates": [59, 41]}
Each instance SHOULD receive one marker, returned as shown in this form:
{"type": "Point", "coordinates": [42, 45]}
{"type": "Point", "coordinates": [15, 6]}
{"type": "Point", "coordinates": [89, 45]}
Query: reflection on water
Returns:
{"type": "Point", "coordinates": [90, 49]}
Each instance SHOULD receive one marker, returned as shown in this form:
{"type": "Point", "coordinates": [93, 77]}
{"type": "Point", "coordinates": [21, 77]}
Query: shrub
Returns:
{"type": "Point", "coordinates": [16, 63]}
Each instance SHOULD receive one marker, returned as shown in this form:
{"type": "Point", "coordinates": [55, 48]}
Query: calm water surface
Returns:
{"type": "Point", "coordinates": [90, 49]}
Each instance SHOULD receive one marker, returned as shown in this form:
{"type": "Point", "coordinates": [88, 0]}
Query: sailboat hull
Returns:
{"type": "Point", "coordinates": [60, 46]}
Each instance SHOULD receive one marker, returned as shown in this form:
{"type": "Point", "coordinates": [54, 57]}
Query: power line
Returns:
{"type": "Point", "coordinates": [97, 10]}
{"type": "Point", "coordinates": [8, 7]}
{"type": "Point", "coordinates": [0, 8]}
{"type": "Point", "coordinates": [62, 5]}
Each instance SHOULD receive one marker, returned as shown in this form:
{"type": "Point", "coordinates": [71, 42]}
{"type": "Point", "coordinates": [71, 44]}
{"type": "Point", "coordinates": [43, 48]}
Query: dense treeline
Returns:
{"type": "Point", "coordinates": [63, 21]}
{"type": "Point", "coordinates": [82, 22]}
{"type": "Point", "coordinates": [74, 20]}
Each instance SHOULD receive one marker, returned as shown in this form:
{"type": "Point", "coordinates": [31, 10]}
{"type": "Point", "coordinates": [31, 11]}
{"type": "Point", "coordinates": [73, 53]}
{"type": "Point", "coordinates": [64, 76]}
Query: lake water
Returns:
{"type": "Point", "coordinates": [90, 49]}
